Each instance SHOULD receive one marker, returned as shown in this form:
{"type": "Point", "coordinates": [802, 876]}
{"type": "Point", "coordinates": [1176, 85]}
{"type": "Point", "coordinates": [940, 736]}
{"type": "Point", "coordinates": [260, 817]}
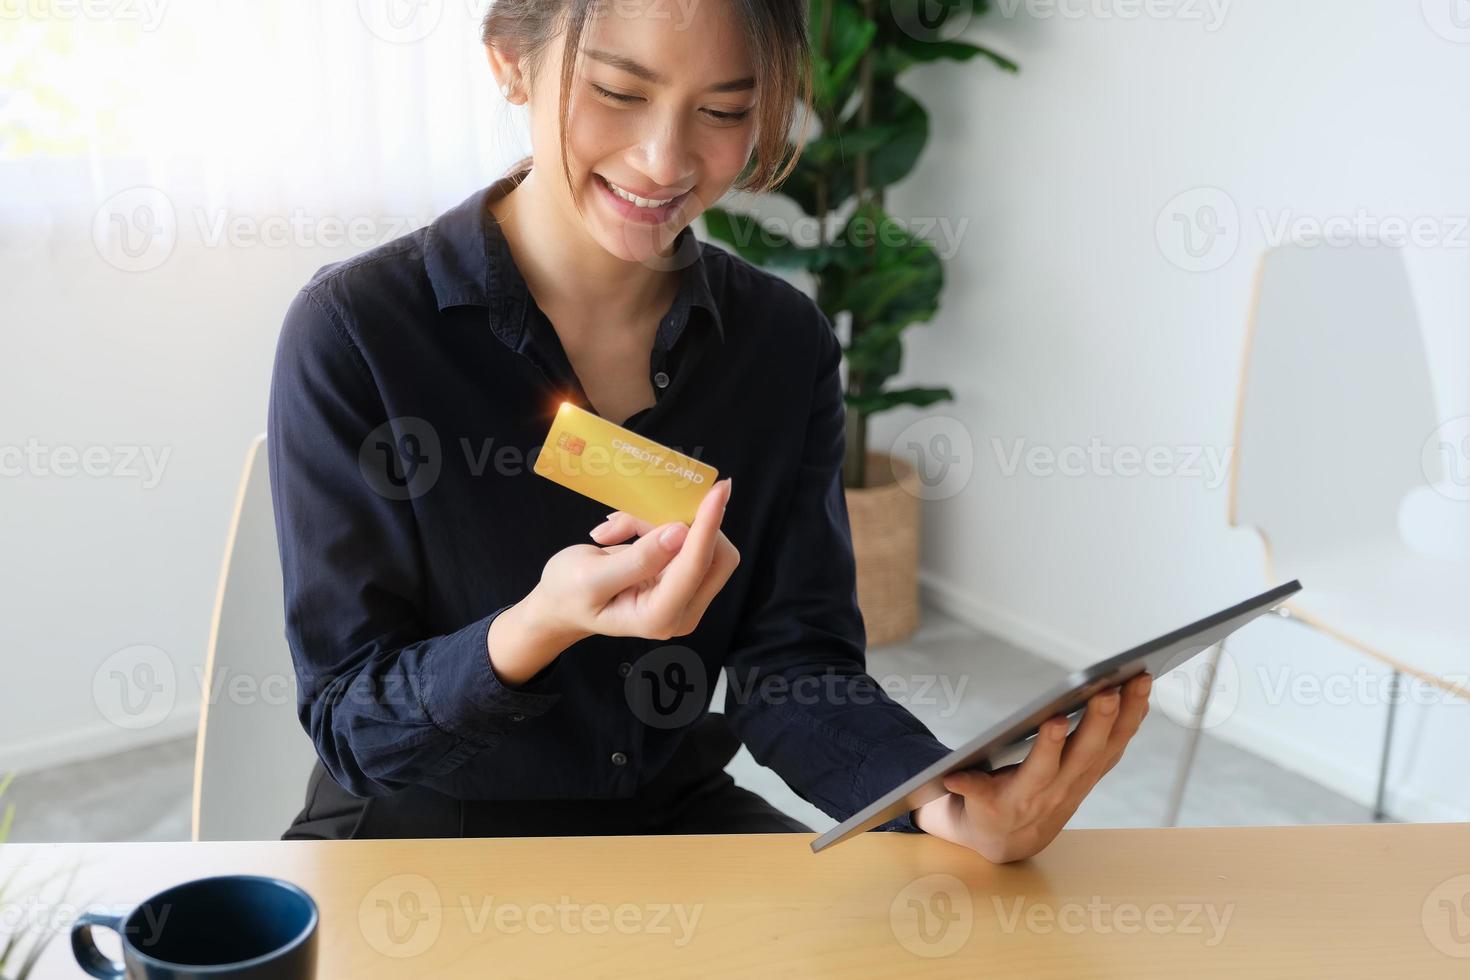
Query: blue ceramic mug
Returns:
{"type": "Point", "coordinates": [229, 926]}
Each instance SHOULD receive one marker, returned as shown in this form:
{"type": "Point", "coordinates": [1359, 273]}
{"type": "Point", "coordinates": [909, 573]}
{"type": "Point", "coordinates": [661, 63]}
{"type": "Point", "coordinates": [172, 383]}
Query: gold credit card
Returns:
{"type": "Point", "coordinates": [618, 467]}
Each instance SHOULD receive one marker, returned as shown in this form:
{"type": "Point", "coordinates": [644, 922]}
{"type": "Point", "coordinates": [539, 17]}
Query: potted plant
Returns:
{"type": "Point", "coordinates": [872, 272]}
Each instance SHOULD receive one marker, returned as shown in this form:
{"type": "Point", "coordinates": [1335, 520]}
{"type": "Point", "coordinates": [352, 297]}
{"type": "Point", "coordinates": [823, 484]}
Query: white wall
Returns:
{"type": "Point", "coordinates": [1065, 320]}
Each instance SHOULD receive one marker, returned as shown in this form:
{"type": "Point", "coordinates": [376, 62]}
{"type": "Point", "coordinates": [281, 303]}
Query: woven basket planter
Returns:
{"type": "Point", "coordinates": [885, 540]}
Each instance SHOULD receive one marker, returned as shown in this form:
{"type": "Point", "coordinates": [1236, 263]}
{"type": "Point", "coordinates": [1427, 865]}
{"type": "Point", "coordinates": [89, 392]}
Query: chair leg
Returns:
{"type": "Point", "coordinates": [1393, 702]}
{"type": "Point", "coordinates": [1191, 745]}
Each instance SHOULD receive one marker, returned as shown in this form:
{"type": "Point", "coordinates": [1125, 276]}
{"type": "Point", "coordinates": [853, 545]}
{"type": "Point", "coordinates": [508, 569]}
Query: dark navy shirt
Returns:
{"type": "Point", "coordinates": [412, 388]}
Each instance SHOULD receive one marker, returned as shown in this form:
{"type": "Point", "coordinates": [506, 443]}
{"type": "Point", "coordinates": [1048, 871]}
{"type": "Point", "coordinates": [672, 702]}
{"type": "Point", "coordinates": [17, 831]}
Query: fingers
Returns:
{"type": "Point", "coordinates": [1087, 745]}
{"type": "Point", "coordinates": [726, 560]}
{"type": "Point", "coordinates": [1134, 710]}
{"type": "Point", "coordinates": [1039, 769]}
{"type": "Point", "coordinates": [682, 577]}
{"type": "Point", "coordinates": [664, 600]}
{"type": "Point", "coordinates": [626, 566]}
{"type": "Point", "coordinates": [975, 786]}
{"type": "Point", "coordinates": [620, 526]}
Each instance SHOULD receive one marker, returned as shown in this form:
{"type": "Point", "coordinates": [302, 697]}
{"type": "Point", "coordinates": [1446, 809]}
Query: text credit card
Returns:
{"type": "Point", "coordinates": [618, 467]}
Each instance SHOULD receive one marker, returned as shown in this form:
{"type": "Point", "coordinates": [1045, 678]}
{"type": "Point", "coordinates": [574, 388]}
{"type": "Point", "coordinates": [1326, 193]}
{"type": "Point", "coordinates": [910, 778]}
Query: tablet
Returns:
{"type": "Point", "coordinates": [1007, 742]}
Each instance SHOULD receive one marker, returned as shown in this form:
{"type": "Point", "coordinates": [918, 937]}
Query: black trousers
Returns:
{"type": "Point", "coordinates": [692, 795]}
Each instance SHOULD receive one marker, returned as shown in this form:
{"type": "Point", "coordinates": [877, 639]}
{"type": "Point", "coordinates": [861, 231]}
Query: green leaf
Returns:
{"type": "Point", "coordinates": [909, 123]}
{"type": "Point", "coordinates": [756, 243]}
{"type": "Point", "coordinates": [807, 177]}
{"type": "Point", "coordinates": [881, 401]}
{"type": "Point", "coordinates": [894, 138]}
{"type": "Point", "coordinates": [888, 279]}
{"type": "Point", "coordinates": [834, 62]}
{"type": "Point", "coordinates": [904, 52]}
{"type": "Point", "coordinates": [843, 146]}
{"type": "Point", "coordinates": [891, 267]}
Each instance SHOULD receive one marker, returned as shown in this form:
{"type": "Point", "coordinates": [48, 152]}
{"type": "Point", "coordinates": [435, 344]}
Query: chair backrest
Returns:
{"type": "Point", "coordinates": [252, 760]}
{"type": "Point", "coordinates": [1335, 402]}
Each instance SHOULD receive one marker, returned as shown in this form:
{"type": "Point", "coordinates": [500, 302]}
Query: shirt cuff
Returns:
{"type": "Point", "coordinates": [463, 695]}
{"type": "Point", "coordinates": [892, 763]}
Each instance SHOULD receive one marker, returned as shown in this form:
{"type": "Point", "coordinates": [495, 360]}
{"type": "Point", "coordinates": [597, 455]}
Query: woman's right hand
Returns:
{"type": "Point", "coordinates": [657, 587]}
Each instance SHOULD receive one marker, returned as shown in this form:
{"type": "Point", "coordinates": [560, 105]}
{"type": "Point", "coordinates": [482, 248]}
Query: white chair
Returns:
{"type": "Point", "coordinates": [252, 759]}
{"type": "Point", "coordinates": [1334, 434]}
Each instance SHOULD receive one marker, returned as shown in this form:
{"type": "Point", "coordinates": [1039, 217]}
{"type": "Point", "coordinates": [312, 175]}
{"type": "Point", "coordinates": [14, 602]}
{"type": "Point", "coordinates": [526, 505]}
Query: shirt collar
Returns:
{"type": "Point", "coordinates": [469, 264]}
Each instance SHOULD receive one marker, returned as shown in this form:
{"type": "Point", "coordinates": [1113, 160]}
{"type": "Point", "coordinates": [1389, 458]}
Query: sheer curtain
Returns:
{"type": "Point", "coordinates": [320, 113]}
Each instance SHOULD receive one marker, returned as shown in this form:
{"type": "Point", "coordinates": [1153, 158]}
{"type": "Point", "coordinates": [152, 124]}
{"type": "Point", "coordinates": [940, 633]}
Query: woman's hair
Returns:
{"type": "Point", "coordinates": [775, 33]}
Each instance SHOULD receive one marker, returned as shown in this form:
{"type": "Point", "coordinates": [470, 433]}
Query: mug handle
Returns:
{"type": "Point", "coordinates": [89, 957]}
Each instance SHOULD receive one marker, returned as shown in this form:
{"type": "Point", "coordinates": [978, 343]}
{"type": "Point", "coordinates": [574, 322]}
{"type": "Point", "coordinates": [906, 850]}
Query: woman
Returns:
{"type": "Point", "coordinates": [466, 666]}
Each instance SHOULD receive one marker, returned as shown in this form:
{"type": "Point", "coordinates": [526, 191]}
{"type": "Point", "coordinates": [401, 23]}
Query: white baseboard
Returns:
{"type": "Point", "coordinates": [987, 617]}
{"type": "Point", "coordinates": [1358, 784]}
{"type": "Point", "coordinates": [95, 741]}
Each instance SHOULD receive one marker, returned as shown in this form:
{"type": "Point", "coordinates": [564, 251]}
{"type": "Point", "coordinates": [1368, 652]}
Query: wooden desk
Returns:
{"type": "Point", "coordinates": [1270, 902]}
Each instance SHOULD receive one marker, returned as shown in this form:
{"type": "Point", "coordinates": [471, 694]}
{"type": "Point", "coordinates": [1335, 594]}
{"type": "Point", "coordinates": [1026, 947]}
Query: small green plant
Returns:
{"type": "Point", "coordinates": [867, 264]}
{"type": "Point", "coordinates": [20, 949]}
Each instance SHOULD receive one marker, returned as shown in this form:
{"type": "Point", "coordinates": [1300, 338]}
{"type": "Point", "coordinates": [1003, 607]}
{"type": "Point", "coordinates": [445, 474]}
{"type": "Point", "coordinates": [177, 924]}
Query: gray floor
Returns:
{"type": "Point", "coordinates": [144, 794]}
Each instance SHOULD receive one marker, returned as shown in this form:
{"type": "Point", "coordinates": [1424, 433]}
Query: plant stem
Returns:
{"type": "Point", "coordinates": [854, 463]}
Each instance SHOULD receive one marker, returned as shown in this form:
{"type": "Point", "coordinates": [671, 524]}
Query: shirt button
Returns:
{"type": "Point", "coordinates": [619, 759]}
{"type": "Point", "coordinates": [624, 669]}
{"type": "Point", "coordinates": [661, 379]}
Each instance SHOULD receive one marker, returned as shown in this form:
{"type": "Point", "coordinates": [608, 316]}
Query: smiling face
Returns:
{"type": "Point", "coordinates": [661, 121]}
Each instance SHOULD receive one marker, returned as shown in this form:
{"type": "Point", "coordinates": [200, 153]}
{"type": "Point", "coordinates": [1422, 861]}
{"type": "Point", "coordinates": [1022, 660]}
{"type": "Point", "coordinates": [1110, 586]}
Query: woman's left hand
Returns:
{"type": "Point", "coordinates": [1016, 811]}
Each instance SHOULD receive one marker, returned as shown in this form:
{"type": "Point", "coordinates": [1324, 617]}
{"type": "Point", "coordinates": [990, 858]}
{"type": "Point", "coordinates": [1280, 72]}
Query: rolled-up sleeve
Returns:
{"type": "Point", "coordinates": [798, 693]}
{"type": "Point", "coordinates": [387, 701]}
